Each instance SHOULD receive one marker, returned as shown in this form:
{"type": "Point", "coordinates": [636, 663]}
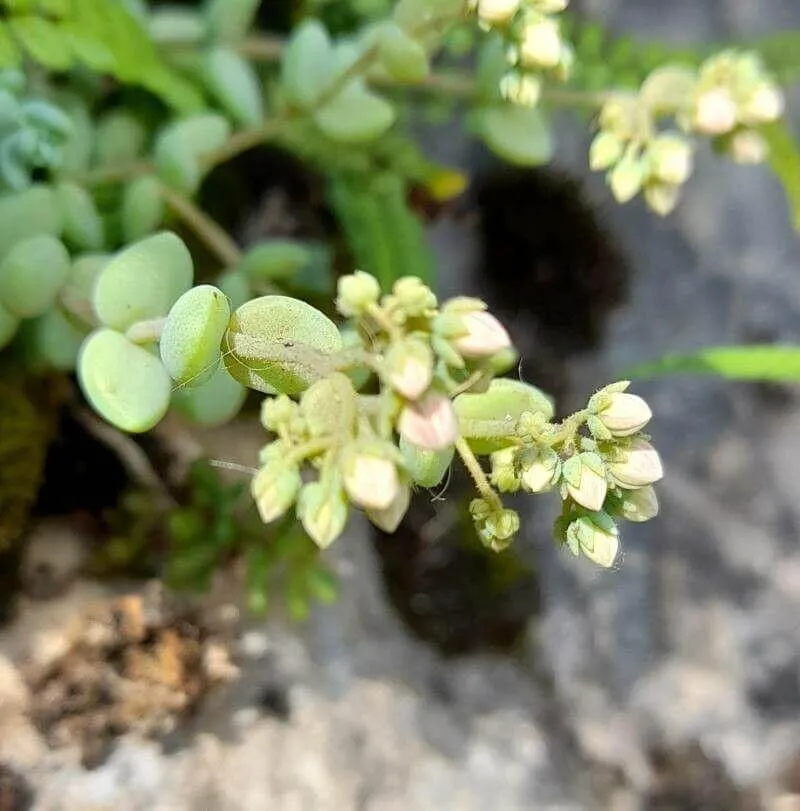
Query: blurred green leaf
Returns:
{"type": "Point", "coordinates": [759, 362]}
{"type": "Point", "coordinates": [784, 159]}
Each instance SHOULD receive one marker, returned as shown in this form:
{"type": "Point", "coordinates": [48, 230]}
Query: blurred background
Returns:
{"type": "Point", "coordinates": [443, 677]}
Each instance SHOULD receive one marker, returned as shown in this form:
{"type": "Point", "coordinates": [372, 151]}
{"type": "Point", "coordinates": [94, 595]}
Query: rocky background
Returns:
{"type": "Point", "coordinates": [672, 682]}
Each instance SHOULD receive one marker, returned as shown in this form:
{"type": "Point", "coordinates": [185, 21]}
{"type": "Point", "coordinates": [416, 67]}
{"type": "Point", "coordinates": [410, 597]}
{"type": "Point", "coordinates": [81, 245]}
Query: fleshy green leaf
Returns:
{"type": "Point", "coordinates": [355, 115]}
{"type": "Point", "coordinates": [519, 135]}
{"type": "Point", "coordinates": [43, 40]}
{"type": "Point", "coordinates": [757, 362]}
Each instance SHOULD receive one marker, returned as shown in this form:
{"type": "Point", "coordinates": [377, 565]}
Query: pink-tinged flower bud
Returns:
{"type": "Point", "coordinates": [274, 488]}
{"type": "Point", "coordinates": [370, 481]}
{"type": "Point", "coordinates": [586, 483]}
{"type": "Point", "coordinates": [748, 147]}
{"type": "Point", "coordinates": [596, 537]}
{"type": "Point", "coordinates": [715, 112]}
{"type": "Point", "coordinates": [484, 336]}
{"type": "Point", "coordinates": [625, 414]}
{"type": "Point", "coordinates": [638, 466]}
{"type": "Point", "coordinates": [430, 423]}
{"type": "Point", "coordinates": [410, 368]}
{"type": "Point", "coordinates": [639, 505]}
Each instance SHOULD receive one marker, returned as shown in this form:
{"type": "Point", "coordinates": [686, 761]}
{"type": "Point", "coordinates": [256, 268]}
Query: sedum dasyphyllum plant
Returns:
{"type": "Point", "coordinates": [114, 112]}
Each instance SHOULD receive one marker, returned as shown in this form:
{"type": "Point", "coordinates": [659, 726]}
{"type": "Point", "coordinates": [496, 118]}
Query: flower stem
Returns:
{"type": "Point", "coordinates": [210, 232]}
{"type": "Point", "coordinates": [478, 476]}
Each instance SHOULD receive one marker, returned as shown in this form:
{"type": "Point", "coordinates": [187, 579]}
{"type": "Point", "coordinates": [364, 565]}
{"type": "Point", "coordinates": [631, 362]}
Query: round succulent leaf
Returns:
{"type": "Point", "coordinates": [32, 274]}
{"type": "Point", "coordinates": [308, 64]}
{"type": "Point", "coordinates": [27, 214]}
{"type": "Point", "coordinates": [355, 115]}
{"type": "Point", "coordinates": [190, 340]}
{"type": "Point", "coordinates": [142, 208]}
{"type": "Point", "coordinates": [262, 323]}
{"type": "Point", "coordinates": [275, 260]}
{"type": "Point", "coordinates": [519, 135]}
{"type": "Point", "coordinates": [403, 57]}
{"type": "Point", "coordinates": [54, 340]}
{"type": "Point", "coordinates": [143, 281]}
{"type": "Point", "coordinates": [235, 84]}
{"type": "Point", "coordinates": [125, 384]}
{"type": "Point", "coordinates": [212, 403]}
{"type": "Point", "coordinates": [82, 224]}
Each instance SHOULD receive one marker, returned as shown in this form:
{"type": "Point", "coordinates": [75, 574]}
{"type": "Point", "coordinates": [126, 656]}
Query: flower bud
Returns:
{"type": "Point", "coordinates": [540, 470]}
{"type": "Point", "coordinates": [426, 468]}
{"type": "Point", "coordinates": [497, 12]}
{"type": "Point", "coordinates": [483, 336]}
{"type": "Point", "coordinates": [637, 466]}
{"type": "Point", "coordinates": [662, 197]}
{"type": "Point", "coordinates": [541, 44]}
{"type": "Point", "coordinates": [357, 292]}
{"type": "Point", "coordinates": [671, 159]}
{"type": "Point", "coordinates": [764, 105]}
{"type": "Point", "coordinates": [370, 480]}
{"type": "Point", "coordinates": [322, 510]}
{"type": "Point", "coordinates": [747, 147]}
{"type": "Point", "coordinates": [550, 6]}
{"type": "Point", "coordinates": [605, 151]}
{"type": "Point", "coordinates": [389, 518]}
{"type": "Point", "coordinates": [274, 488]}
{"type": "Point", "coordinates": [627, 177]}
{"type": "Point", "coordinates": [521, 88]}
{"type": "Point", "coordinates": [413, 297]}
{"type": "Point", "coordinates": [430, 423]}
{"type": "Point", "coordinates": [277, 411]}
{"type": "Point", "coordinates": [585, 481]}
{"type": "Point", "coordinates": [410, 368]}
{"type": "Point", "coordinates": [714, 112]}
{"type": "Point", "coordinates": [639, 505]}
{"type": "Point", "coordinates": [625, 414]}
{"type": "Point", "coordinates": [504, 473]}
{"type": "Point", "coordinates": [596, 537]}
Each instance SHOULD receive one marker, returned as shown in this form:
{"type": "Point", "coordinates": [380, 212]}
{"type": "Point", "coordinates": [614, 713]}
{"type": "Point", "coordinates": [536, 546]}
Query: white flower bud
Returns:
{"type": "Point", "coordinates": [715, 112]}
{"type": "Point", "coordinates": [322, 509]}
{"type": "Point", "coordinates": [370, 481]}
{"type": "Point", "coordinates": [497, 12]}
{"type": "Point", "coordinates": [662, 197]}
{"type": "Point", "coordinates": [483, 336]}
{"type": "Point", "coordinates": [764, 105]}
{"type": "Point", "coordinates": [639, 466]}
{"type": "Point", "coordinates": [605, 151]}
{"type": "Point", "coordinates": [639, 505]}
{"type": "Point", "coordinates": [274, 488]}
{"type": "Point", "coordinates": [596, 537]}
{"type": "Point", "coordinates": [522, 89]}
{"type": "Point", "coordinates": [356, 293]}
{"type": "Point", "coordinates": [430, 423]}
{"type": "Point", "coordinates": [671, 159]}
{"type": "Point", "coordinates": [588, 488]}
{"type": "Point", "coordinates": [747, 147]}
{"type": "Point", "coordinates": [410, 368]}
{"type": "Point", "coordinates": [625, 414]}
{"type": "Point", "coordinates": [540, 471]}
{"type": "Point", "coordinates": [389, 518]}
{"type": "Point", "coordinates": [541, 44]}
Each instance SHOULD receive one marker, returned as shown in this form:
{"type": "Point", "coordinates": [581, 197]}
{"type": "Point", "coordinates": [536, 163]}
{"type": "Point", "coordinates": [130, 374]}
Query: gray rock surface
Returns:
{"type": "Point", "coordinates": [694, 636]}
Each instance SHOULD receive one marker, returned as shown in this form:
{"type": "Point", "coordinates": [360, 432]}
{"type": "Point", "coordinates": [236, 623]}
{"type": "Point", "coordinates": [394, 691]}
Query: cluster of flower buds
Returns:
{"type": "Point", "coordinates": [602, 476]}
{"type": "Point", "coordinates": [733, 97]}
{"type": "Point", "coordinates": [727, 99]}
{"type": "Point", "coordinates": [436, 370]}
{"type": "Point", "coordinates": [532, 32]}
